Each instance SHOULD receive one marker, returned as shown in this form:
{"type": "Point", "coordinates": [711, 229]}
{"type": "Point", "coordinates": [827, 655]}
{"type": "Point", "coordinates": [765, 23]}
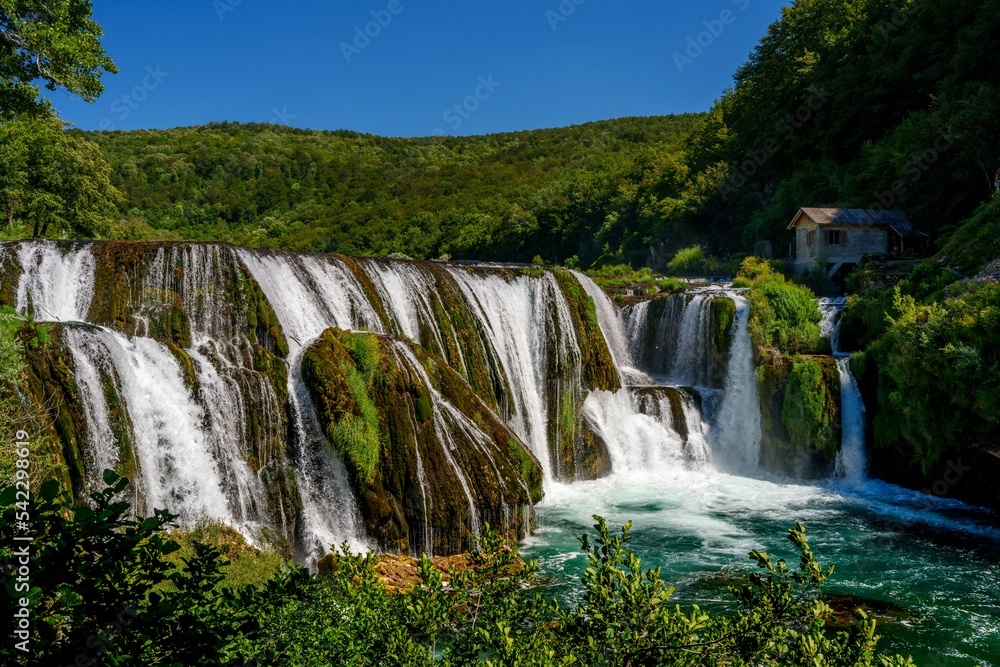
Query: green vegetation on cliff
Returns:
{"type": "Point", "coordinates": [799, 395]}
{"type": "Point", "coordinates": [938, 372]}
{"type": "Point", "coordinates": [808, 407]}
{"type": "Point", "coordinates": [424, 474]}
{"type": "Point", "coordinates": [784, 318]}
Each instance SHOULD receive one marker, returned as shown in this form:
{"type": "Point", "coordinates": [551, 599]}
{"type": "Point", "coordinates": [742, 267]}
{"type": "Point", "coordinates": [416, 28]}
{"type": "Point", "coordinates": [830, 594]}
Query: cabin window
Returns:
{"type": "Point", "coordinates": [811, 238]}
{"type": "Point", "coordinates": [835, 237]}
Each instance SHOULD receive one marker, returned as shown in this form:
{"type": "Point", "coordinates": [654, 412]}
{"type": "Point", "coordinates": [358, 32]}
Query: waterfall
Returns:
{"type": "Point", "coordinates": [93, 362]}
{"type": "Point", "coordinates": [672, 338]}
{"type": "Point", "coordinates": [310, 294]}
{"type": "Point", "coordinates": [639, 423]}
{"type": "Point", "coordinates": [832, 308]}
{"type": "Point", "coordinates": [612, 323]}
{"type": "Point", "coordinates": [186, 385]}
{"type": "Point", "coordinates": [690, 355]}
{"type": "Point", "coordinates": [653, 333]}
{"type": "Point", "coordinates": [445, 419]}
{"type": "Point", "coordinates": [175, 461]}
{"type": "Point", "coordinates": [736, 433]}
{"type": "Point", "coordinates": [521, 317]}
{"type": "Point", "coordinates": [637, 442]}
{"type": "Point", "coordinates": [56, 286]}
{"type": "Point", "coordinates": [851, 461]}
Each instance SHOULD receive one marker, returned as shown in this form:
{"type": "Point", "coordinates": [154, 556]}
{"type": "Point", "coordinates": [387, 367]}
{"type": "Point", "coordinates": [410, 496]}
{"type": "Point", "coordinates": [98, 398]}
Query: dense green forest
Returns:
{"type": "Point", "coordinates": [584, 190]}
{"type": "Point", "coordinates": [863, 104]}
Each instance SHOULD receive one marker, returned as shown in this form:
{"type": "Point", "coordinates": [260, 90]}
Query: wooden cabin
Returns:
{"type": "Point", "coordinates": [837, 237]}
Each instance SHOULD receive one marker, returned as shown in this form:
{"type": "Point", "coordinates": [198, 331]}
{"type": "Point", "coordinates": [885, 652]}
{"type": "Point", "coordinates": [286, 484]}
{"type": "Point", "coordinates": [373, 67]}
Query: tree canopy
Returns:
{"type": "Point", "coordinates": [55, 43]}
{"type": "Point", "coordinates": [53, 182]}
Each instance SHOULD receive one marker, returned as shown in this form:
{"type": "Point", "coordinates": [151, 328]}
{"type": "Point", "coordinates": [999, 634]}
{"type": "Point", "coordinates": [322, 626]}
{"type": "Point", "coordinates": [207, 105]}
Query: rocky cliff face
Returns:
{"type": "Point", "coordinates": [223, 382]}
{"type": "Point", "coordinates": [800, 416]}
{"type": "Point", "coordinates": [429, 461]}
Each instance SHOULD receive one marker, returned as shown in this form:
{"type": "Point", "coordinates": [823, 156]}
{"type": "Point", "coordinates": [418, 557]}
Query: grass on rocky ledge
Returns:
{"type": "Point", "coordinates": [623, 276]}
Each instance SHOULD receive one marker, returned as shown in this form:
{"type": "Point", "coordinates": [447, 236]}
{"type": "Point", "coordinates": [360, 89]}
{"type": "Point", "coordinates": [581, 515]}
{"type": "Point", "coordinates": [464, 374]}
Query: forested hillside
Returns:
{"type": "Point", "coordinates": [583, 190]}
{"type": "Point", "coordinates": [867, 103]}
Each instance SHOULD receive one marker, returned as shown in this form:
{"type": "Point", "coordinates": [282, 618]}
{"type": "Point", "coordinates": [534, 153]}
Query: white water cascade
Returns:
{"type": "Point", "coordinates": [310, 294]}
{"type": "Point", "coordinates": [207, 434]}
{"type": "Point", "coordinates": [175, 458]}
{"type": "Point", "coordinates": [736, 432]}
{"type": "Point", "coordinates": [851, 462]}
{"type": "Point", "coordinates": [55, 286]}
{"type": "Point", "coordinates": [522, 318]}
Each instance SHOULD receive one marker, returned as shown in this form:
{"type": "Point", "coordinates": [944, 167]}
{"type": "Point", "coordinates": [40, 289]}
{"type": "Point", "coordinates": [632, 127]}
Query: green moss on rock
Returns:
{"type": "Point", "coordinates": [376, 401]}
{"type": "Point", "coordinates": [800, 415]}
{"type": "Point", "coordinates": [10, 274]}
{"type": "Point", "coordinates": [599, 371]}
{"type": "Point", "coordinates": [50, 382]}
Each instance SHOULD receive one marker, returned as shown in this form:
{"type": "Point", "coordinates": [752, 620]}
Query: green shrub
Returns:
{"type": "Point", "coordinates": [687, 260]}
{"type": "Point", "coordinates": [11, 363]}
{"type": "Point", "coordinates": [784, 317]}
{"type": "Point", "coordinates": [939, 373]}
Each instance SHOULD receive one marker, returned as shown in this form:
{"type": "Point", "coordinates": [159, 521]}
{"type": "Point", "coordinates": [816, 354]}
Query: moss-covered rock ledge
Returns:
{"type": "Point", "coordinates": [800, 415]}
{"type": "Point", "coordinates": [418, 444]}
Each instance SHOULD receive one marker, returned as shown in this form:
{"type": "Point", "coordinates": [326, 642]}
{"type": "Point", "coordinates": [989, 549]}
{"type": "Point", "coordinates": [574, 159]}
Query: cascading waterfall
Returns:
{"type": "Point", "coordinates": [520, 316]}
{"type": "Point", "coordinates": [851, 461]}
{"type": "Point", "coordinates": [175, 461]}
{"type": "Point", "coordinates": [653, 329]}
{"type": "Point", "coordinates": [205, 432]}
{"type": "Point", "coordinates": [637, 442]}
{"type": "Point", "coordinates": [92, 361]}
{"type": "Point", "coordinates": [639, 423]}
{"type": "Point", "coordinates": [831, 308]}
{"type": "Point", "coordinates": [445, 420]}
{"type": "Point", "coordinates": [609, 316]}
{"type": "Point", "coordinates": [310, 294]}
{"type": "Point", "coordinates": [737, 432]}
{"type": "Point", "coordinates": [690, 356]}
{"type": "Point", "coordinates": [56, 286]}
{"type": "Point", "coordinates": [672, 339]}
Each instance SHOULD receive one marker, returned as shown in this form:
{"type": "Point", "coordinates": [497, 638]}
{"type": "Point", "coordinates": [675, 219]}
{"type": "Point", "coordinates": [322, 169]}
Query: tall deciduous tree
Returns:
{"type": "Point", "coordinates": [53, 181]}
{"type": "Point", "coordinates": [50, 42]}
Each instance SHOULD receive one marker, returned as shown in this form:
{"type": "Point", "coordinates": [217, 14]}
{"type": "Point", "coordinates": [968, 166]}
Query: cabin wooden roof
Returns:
{"type": "Point", "coordinates": [896, 220]}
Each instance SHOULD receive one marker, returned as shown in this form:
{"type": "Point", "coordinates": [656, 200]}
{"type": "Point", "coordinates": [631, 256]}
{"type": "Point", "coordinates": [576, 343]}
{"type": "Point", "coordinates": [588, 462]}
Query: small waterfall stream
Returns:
{"type": "Point", "coordinates": [851, 461]}
{"type": "Point", "coordinates": [55, 286]}
{"type": "Point", "coordinates": [737, 430]}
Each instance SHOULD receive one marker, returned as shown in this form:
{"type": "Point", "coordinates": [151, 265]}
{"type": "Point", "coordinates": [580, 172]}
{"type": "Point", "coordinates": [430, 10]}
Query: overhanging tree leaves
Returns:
{"type": "Point", "coordinates": [50, 42]}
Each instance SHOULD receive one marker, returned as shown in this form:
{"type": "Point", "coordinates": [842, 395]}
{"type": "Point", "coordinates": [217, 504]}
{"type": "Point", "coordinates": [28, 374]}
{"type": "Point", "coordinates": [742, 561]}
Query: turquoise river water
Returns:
{"type": "Point", "coordinates": [934, 563]}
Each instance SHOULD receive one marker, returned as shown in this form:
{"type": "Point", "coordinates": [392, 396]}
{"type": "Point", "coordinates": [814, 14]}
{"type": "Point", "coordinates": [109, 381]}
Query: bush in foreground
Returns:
{"type": "Point", "coordinates": [105, 591]}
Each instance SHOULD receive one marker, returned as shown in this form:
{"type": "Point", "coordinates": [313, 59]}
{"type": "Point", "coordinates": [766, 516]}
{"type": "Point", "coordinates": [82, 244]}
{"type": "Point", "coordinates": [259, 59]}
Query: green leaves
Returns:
{"type": "Point", "coordinates": [53, 181]}
{"type": "Point", "coordinates": [102, 581]}
{"type": "Point", "coordinates": [55, 43]}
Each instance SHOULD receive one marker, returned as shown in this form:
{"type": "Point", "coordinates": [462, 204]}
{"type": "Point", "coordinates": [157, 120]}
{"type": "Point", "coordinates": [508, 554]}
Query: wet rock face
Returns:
{"type": "Point", "coordinates": [683, 337]}
{"type": "Point", "coordinates": [183, 293]}
{"type": "Point", "coordinates": [800, 416]}
{"type": "Point", "coordinates": [180, 349]}
{"type": "Point", "coordinates": [428, 460]}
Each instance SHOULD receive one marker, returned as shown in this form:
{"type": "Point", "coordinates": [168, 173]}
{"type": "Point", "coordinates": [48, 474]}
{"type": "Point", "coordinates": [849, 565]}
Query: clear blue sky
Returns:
{"type": "Point", "coordinates": [545, 63]}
